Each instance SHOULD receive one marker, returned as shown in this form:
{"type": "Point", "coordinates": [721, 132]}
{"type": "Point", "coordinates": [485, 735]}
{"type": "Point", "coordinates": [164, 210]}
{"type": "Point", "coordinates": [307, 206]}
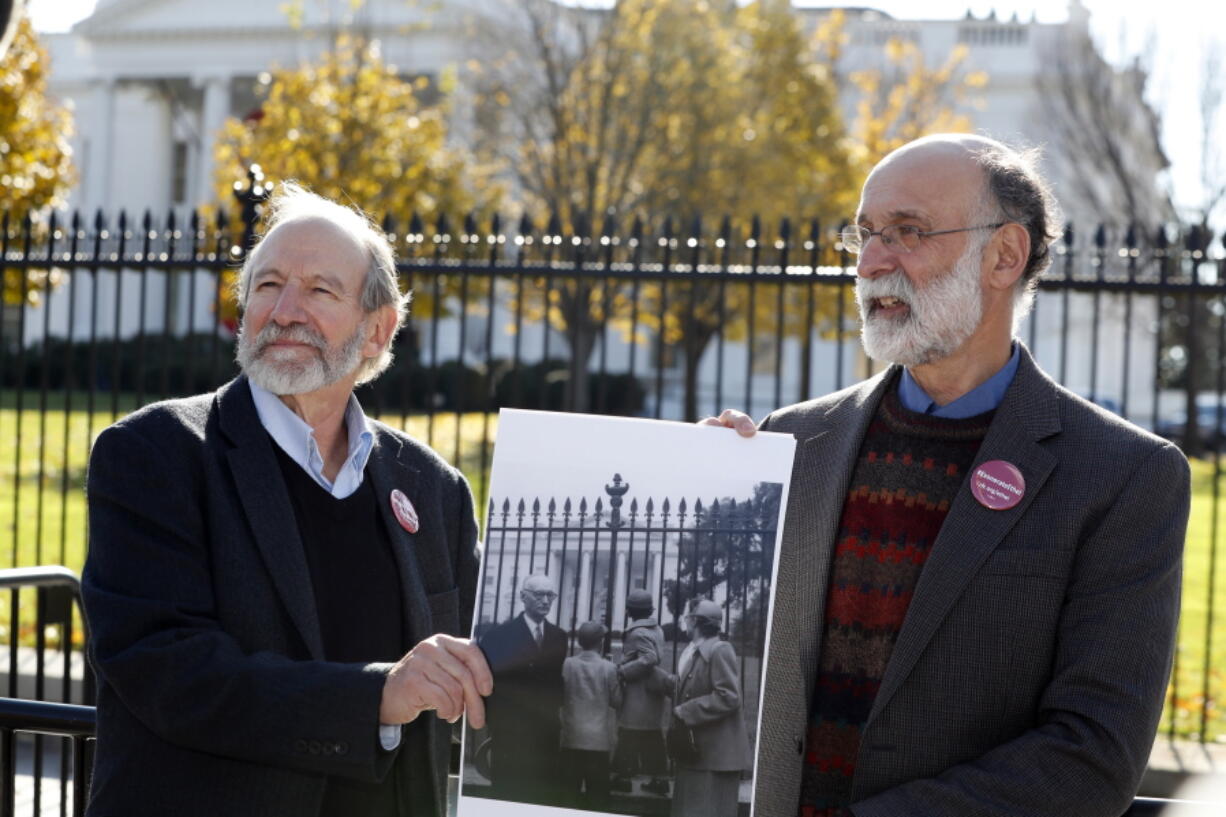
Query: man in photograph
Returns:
{"type": "Point", "coordinates": [525, 655]}
{"type": "Point", "coordinates": [979, 579]}
{"type": "Point", "coordinates": [277, 584]}
{"type": "Point", "coordinates": [640, 722]}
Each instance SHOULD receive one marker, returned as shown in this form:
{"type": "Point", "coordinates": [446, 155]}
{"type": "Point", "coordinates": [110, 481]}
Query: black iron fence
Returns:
{"type": "Point", "coordinates": [104, 314]}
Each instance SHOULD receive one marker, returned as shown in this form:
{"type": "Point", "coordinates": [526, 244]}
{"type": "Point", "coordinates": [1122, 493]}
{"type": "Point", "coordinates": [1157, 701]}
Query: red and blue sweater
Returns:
{"type": "Point", "coordinates": [909, 469]}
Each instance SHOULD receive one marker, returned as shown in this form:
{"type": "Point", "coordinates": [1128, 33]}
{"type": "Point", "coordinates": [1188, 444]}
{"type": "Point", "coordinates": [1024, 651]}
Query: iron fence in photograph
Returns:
{"type": "Point", "coordinates": [678, 550]}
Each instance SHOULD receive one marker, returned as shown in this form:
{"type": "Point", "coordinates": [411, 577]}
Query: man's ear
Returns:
{"type": "Point", "coordinates": [382, 327]}
{"type": "Point", "coordinates": [1008, 253]}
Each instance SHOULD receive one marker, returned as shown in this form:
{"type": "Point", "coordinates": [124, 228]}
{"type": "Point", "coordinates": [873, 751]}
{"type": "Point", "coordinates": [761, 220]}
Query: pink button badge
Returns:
{"type": "Point", "coordinates": [998, 485]}
{"type": "Point", "coordinates": [406, 514]}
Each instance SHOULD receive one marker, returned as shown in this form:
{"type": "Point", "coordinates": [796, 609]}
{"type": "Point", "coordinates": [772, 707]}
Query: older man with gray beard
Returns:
{"type": "Point", "coordinates": [979, 576]}
{"type": "Point", "coordinates": [278, 586]}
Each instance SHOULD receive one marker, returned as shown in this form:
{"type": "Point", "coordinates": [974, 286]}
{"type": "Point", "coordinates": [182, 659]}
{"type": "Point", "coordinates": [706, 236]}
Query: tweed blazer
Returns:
{"type": "Point", "coordinates": [213, 694]}
{"type": "Point", "coordinates": [1029, 673]}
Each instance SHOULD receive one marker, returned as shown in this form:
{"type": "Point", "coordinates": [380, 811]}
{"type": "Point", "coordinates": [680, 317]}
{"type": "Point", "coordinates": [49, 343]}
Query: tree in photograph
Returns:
{"type": "Point", "coordinates": [728, 555]}
{"type": "Point", "coordinates": [36, 168]}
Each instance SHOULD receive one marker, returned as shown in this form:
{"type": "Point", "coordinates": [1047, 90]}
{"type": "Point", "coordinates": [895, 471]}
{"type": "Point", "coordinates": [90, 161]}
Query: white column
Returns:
{"type": "Point", "coordinates": [216, 109]}
{"type": "Point", "coordinates": [619, 592]}
{"type": "Point", "coordinates": [585, 584]}
{"type": "Point", "coordinates": [101, 137]}
{"type": "Point", "coordinates": [657, 570]}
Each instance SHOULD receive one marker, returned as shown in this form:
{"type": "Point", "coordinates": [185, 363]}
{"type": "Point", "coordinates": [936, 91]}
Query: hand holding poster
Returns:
{"type": "Point", "coordinates": [627, 581]}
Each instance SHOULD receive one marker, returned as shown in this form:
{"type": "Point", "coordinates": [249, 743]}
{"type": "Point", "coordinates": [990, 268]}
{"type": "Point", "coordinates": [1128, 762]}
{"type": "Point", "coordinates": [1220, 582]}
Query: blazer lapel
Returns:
{"type": "Point", "coordinates": [266, 503]}
{"type": "Point", "coordinates": [1027, 415]}
{"type": "Point", "coordinates": [387, 473]}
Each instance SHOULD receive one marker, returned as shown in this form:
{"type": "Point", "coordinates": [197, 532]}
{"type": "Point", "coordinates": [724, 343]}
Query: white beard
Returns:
{"type": "Point", "coordinates": [941, 315]}
{"type": "Point", "coordinates": [285, 372]}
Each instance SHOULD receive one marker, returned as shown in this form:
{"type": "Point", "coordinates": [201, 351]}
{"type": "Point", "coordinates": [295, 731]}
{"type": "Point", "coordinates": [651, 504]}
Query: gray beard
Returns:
{"type": "Point", "coordinates": [286, 376]}
{"type": "Point", "coordinates": [942, 315]}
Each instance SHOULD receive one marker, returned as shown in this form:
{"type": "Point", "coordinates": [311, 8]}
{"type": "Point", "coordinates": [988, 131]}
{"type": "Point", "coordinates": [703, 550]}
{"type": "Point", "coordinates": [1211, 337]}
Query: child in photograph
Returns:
{"type": "Point", "coordinates": [640, 734]}
{"type": "Point", "coordinates": [590, 697]}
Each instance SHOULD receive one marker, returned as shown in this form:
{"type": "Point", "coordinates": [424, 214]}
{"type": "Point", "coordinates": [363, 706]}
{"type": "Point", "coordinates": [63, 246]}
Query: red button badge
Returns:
{"type": "Point", "coordinates": [406, 514]}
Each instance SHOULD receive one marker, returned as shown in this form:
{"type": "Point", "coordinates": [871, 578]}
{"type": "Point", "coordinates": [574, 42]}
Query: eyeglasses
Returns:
{"type": "Point", "coordinates": [542, 595]}
{"type": "Point", "coordinates": [898, 237]}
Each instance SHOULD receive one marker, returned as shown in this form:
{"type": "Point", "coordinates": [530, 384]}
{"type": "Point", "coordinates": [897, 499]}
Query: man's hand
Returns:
{"type": "Point", "coordinates": [446, 674]}
{"type": "Point", "coordinates": [731, 418]}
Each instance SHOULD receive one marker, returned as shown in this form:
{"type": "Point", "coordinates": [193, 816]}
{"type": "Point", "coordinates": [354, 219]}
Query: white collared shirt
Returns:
{"type": "Point", "coordinates": [297, 439]}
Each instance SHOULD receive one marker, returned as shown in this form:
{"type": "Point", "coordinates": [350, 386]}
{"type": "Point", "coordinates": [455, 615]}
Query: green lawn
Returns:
{"type": "Point", "coordinates": [55, 533]}
{"type": "Point", "coordinates": [1202, 573]}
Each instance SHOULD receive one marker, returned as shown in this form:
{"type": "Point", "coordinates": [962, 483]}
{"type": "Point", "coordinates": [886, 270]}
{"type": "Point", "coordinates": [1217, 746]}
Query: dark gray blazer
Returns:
{"type": "Point", "coordinates": [213, 696]}
{"type": "Point", "coordinates": [1029, 674]}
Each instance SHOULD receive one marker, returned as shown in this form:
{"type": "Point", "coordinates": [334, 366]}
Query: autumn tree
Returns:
{"type": "Point", "coordinates": [902, 97]}
{"type": "Point", "coordinates": [1111, 154]}
{"type": "Point", "coordinates": [36, 168]}
{"type": "Point", "coordinates": [679, 113]}
{"type": "Point", "coordinates": [349, 127]}
{"type": "Point", "coordinates": [662, 110]}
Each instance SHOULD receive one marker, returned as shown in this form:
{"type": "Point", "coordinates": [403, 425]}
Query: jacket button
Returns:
{"type": "Point", "coordinates": [300, 746]}
{"type": "Point", "coordinates": [342, 747]}
{"type": "Point", "coordinates": [313, 747]}
{"type": "Point", "coordinates": [328, 748]}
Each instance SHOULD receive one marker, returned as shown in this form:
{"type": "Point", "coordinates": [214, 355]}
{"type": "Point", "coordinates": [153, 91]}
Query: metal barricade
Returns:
{"type": "Point", "coordinates": [47, 714]}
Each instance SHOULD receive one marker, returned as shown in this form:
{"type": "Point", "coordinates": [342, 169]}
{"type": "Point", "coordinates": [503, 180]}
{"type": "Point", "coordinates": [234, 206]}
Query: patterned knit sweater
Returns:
{"type": "Point", "coordinates": [909, 469]}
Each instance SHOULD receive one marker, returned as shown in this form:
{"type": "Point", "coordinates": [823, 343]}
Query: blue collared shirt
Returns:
{"type": "Point", "coordinates": [297, 439]}
{"type": "Point", "coordinates": [984, 397]}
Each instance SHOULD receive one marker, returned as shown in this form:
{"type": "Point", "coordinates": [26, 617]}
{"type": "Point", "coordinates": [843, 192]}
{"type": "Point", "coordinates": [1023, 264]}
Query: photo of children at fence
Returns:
{"type": "Point", "coordinates": [652, 715]}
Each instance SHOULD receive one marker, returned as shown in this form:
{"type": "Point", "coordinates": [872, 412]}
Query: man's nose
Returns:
{"type": "Point", "coordinates": [288, 308]}
{"type": "Point", "coordinates": [876, 258]}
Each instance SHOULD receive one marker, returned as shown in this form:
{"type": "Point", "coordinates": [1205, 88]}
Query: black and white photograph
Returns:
{"type": "Point", "coordinates": [624, 610]}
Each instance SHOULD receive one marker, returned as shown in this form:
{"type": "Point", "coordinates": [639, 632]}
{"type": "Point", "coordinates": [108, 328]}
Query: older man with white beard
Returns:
{"type": "Point", "coordinates": [979, 578]}
{"type": "Point", "coordinates": [277, 585]}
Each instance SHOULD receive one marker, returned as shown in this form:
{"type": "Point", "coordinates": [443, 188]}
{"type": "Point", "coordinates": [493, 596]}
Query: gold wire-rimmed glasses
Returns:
{"type": "Point", "coordinates": [898, 237]}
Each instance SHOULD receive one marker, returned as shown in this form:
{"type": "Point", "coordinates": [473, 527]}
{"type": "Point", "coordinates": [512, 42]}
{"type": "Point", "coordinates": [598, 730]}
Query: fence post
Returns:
{"type": "Point", "coordinates": [249, 201]}
{"type": "Point", "coordinates": [615, 491]}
